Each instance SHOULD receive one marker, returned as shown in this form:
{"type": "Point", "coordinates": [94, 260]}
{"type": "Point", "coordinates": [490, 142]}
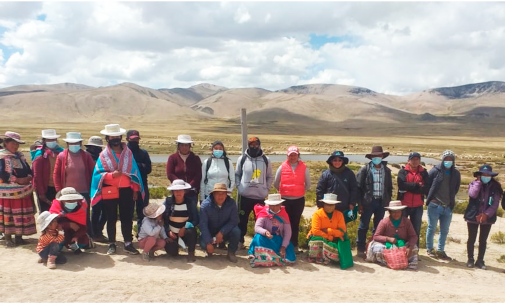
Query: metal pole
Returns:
{"type": "Point", "coordinates": [243, 123]}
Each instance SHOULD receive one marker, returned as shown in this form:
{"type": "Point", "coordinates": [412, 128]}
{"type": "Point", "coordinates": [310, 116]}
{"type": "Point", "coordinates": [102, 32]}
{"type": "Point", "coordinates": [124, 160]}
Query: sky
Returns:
{"type": "Point", "coordinates": [389, 47]}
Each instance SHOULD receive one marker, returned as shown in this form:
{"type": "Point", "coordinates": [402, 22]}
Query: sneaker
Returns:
{"type": "Point", "coordinates": [442, 255]}
{"type": "Point", "coordinates": [145, 257]}
{"type": "Point", "coordinates": [130, 249]}
{"type": "Point", "coordinates": [191, 257]}
{"type": "Point", "coordinates": [432, 253]}
{"type": "Point", "coordinates": [470, 263]}
{"type": "Point", "coordinates": [361, 254]}
{"type": "Point", "coordinates": [480, 264]}
{"type": "Point", "coordinates": [151, 254]}
{"type": "Point", "coordinates": [40, 260]}
{"type": "Point", "coordinates": [112, 249]}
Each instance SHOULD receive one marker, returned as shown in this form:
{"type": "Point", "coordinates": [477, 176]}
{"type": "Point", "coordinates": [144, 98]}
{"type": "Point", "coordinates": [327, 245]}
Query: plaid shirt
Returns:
{"type": "Point", "coordinates": [378, 181]}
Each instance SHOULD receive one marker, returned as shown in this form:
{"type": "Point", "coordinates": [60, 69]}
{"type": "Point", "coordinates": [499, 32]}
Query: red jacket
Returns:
{"type": "Point", "coordinates": [412, 186]}
{"type": "Point", "coordinates": [41, 168]}
{"type": "Point", "coordinates": [59, 169]}
{"type": "Point", "coordinates": [292, 183]}
{"type": "Point", "coordinates": [191, 173]}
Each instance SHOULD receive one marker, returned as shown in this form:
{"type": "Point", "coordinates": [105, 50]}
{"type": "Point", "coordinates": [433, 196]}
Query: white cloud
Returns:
{"type": "Point", "coordinates": [242, 15]}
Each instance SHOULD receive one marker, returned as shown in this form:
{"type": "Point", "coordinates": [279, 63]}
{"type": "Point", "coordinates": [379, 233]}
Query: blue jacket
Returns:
{"type": "Point", "coordinates": [436, 175]}
{"type": "Point", "coordinates": [214, 219]}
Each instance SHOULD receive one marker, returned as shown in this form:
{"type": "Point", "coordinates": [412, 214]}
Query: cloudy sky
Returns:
{"type": "Point", "coordinates": [389, 47]}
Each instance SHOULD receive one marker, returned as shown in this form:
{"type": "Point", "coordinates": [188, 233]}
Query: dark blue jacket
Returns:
{"type": "Point", "coordinates": [342, 184]}
{"type": "Point", "coordinates": [365, 185]}
{"type": "Point", "coordinates": [169, 206]}
{"type": "Point", "coordinates": [214, 219]}
{"type": "Point", "coordinates": [437, 176]}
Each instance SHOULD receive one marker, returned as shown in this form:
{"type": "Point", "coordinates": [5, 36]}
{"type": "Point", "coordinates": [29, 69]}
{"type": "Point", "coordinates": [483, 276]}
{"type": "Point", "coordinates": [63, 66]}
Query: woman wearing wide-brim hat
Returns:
{"type": "Point", "coordinates": [485, 194]}
{"type": "Point", "coordinates": [117, 182]}
{"type": "Point", "coordinates": [16, 192]}
{"type": "Point", "coordinates": [396, 230]}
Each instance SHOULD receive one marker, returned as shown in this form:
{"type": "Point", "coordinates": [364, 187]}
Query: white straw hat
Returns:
{"type": "Point", "coordinates": [113, 130]}
{"type": "Point", "coordinates": [153, 210]}
{"type": "Point", "coordinates": [45, 218]}
{"type": "Point", "coordinates": [274, 199]}
{"type": "Point", "coordinates": [96, 141]}
{"type": "Point", "coordinates": [395, 205]}
{"type": "Point", "coordinates": [184, 139]}
{"type": "Point", "coordinates": [49, 134]}
{"type": "Point", "coordinates": [73, 137]}
{"type": "Point", "coordinates": [330, 198]}
{"type": "Point", "coordinates": [68, 194]}
{"type": "Point", "coordinates": [179, 185]}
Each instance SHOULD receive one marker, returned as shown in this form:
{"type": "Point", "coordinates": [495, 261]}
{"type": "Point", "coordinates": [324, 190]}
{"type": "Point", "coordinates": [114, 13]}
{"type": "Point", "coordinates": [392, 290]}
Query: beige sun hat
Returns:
{"type": "Point", "coordinates": [113, 130]}
{"type": "Point", "coordinates": [274, 199]}
{"type": "Point", "coordinates": [219, 187]}
{"type": "Point", "coordinates": [96, 141]}
{"type": "Point", "coordinates": [330, 198]}
{"type": "Point", "coordinates": [45, 218]}
{"type": "Point", "coordinates": [184, 139]}
{"type": "Point", "coordinates": [395, 205]}
{"type": "Point", "coordinates": [49, 134]}
{"type": "Point", "coordinates": [14, 136]}
{"type": "Point", "coordinates": [153, 210]}
{"type": "Point", "coordinates": [68, 194]}
{"type": "Point", "coordinates": [179, 185]}
{"type": "Point", "coordinates": [73, 137]}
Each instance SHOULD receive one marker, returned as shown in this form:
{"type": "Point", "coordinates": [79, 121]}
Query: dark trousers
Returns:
{"type": "Point", "coordinates": [294, 209]}
{"type": "Point", "coordinates": [139, 206]}
{"type": "Point", "coordinates": [125, 203]}
{"type": "Point", "coordinates": [415, 214]}
{"type": "Point", "coordinates": [88, 213]}
{"type": "Point", "coordinates": [377, 210]}
{"type": "Point", "coordinates": [50, 195]}
{"type": "Point", "coordinates": [472, 236]}
{"type": "Point", "coordinates": [232, 238]}
{"type": "Point", "coordinates": [53, 249]}
{"type": "Point", "coordinates": [98, 219]}
{"type": "Point", "coordinates": [189, 239]}
{"type": "Point", "coordinates": [246, 205]}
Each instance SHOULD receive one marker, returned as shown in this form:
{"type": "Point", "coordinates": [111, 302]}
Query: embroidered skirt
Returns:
{"type": "Point", "coordinates": [17, 216]}
{"type": "Point", "coordinates": [322, 251]}
{"type": "Point", "coordinates": [264, 252]}
{"type": "Point", "coordinates": [375, 253]}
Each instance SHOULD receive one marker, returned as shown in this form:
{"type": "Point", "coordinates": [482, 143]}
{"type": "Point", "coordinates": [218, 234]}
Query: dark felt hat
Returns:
{"type": "Point", "coordinates": [376, 151]}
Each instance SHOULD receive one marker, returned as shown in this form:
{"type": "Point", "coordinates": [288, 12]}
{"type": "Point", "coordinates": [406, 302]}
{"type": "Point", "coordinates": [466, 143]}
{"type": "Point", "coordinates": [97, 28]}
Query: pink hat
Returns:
{"type": "Point", "coordinates": [14, 136]}
{"type": "Point", "coordinates": [293, 149]}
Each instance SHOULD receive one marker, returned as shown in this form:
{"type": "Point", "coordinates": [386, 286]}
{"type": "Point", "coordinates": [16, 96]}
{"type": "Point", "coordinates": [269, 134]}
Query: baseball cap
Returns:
{"type": "Point", "coordinates": [132, 134]}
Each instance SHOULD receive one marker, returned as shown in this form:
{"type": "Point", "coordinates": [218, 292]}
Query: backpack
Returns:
{"type": "Point", "coordinates": [265, 160]}
{"type": "Point", "coordinates": [226, 163]}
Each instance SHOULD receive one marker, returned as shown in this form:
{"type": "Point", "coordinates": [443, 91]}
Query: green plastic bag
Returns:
{"type": "Point", "coordinates": [354, 215]}
{"type": "Point", "coordinates": [344, 251]}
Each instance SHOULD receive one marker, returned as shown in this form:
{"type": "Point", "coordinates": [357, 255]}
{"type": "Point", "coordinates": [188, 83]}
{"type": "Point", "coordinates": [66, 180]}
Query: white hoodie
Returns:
{"type": "Point", "coordinates": [217, 174]}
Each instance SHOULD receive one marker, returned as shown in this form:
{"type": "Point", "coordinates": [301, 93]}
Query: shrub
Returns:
{"type": "Point", "coordinates": [460, 207]}
{"type": "Point", "coordinates": [498, 238]}
{"type": "Point", "coordinates": [305, 225]}
{"type": "Point", "coordinates": [158, 192]}
{"type": "Point", "coordinates": [500, 212]}
{"type": "Point", "coordinates": [452, 239]}
{"type": "Point", "coordinates": [422, 234]}
{"type": "Point", "coordinates": [501, 259]}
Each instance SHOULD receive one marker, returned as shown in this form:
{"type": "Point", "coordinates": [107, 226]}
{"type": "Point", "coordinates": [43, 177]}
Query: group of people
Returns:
{"type": "Point", "coordinates": [108, 178]}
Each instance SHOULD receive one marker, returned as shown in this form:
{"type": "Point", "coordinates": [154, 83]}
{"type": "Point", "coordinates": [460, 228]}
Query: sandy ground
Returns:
{"type": "Point", "coordinates": [97, 277]}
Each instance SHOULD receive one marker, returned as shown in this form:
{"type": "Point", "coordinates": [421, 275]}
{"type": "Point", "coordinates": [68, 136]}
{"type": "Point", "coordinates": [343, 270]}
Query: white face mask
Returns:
{"type": "Point", "coordinates": [74, 148]}
{"type": "Point", "coordinates": [70, 205]}
{"type": "Point", "coordinates": [51, 145]}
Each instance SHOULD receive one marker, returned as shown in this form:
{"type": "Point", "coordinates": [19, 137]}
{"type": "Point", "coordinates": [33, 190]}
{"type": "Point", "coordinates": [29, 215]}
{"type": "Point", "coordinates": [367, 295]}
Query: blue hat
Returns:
{"type": "Point", "coordinates": [485, 169]}
{"type": "Point", "coordinates": [414, 154]}
{"type": "Point", "coordinates": [337, 154]}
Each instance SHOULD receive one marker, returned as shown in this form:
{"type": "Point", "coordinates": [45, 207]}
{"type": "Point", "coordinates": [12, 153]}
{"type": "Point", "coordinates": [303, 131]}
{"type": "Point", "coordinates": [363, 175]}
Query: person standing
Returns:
{"type": "Point", "coordinates": [413, 184]}
{"type": "Point", "coordinates": [144, 163]}
{"type": "Point", "coordinates": [116, 181]}
{"type": "Point", "coordinates": [98, 213]}
{"type": "Point", "coordinates": [187, 166]}
{"type": "Point", "coordinates": [253, 177]}
{"type": "Point", "coordinates": [485, 194]}
{"type": "Point", "coordinates": [218, 168]}
{"type": "Point", "coordinates": [445, 181]}
{"type": "Point", "coordinates": [375, 187]}
{"type": "Point", "coordinates": [44, 161]}
{"type": "Point", "coordinates": [292, 180]}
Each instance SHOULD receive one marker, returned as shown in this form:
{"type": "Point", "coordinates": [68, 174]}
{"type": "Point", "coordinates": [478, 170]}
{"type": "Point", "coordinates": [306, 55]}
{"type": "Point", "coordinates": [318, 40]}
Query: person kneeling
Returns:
{"type": "Point", "coordinates": [152, 236]}
{"type": "Point", "coordinates": [219, 222]}
{"type": "Point", "coordinates": [395, 231]}
{"type": "Point", "coordinates": [271, 245]}
{"type": "Point", "coordinates": [48, 247]}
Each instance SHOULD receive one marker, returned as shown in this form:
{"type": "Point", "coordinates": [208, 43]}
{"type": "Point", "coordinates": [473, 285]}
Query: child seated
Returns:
{"type": "Point", "coordinates": [50, 239]}
{"type": "Point", "coordinates": [152, 236]}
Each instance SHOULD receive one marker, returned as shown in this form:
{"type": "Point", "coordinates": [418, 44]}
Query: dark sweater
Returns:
{"type": "Point", "coordinates": [342, 184]}
{"type": "Point", "coordinates": [436, 175]}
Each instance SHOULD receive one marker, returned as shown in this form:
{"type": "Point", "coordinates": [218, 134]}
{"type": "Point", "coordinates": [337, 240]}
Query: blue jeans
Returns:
{"type": "Point", "coordinates": [377, 210]}
{"type": "Point", "coordinates": [416, 218]}
{"type": "Point", "coordinates": [53, 249]}
{"type": "Point", "coordinates": [435, 213]}
{"type": "Point", "coordinates": [232, 237]}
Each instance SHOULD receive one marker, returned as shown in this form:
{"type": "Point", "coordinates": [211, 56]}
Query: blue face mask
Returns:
{"type": "Point", "coordinates": [74, 148]}
{"type": "Point", "coordinates": [70, 205]}
{"type": "Point", "coordinates": [218, 153]}
{"type": "Point", "coordinates": [376, 160]}
{"type": "Point", "coordinates": [51, 145]}
{"type": "Point", "coordinates": [485, 179]}
{"type": "Point", "coordinates": [448, 164]}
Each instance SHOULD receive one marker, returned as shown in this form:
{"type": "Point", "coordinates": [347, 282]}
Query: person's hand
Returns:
{"type": "Point", "coordinates": [74, 226]}
{"type": "Point", "coordinates": [407, 252]}
{"type": "Point", "coordinates": [182, 231]}
{"type": "Point", "coordinates": [172, 235]}
{"type": "Point", "coordinates": [219, 237]}
{"type": "Point", "coordinates": [160, 222]}
{"type": "Point", "coordinates": [268, 235]}
{"type": "Point", "coordinates": [282, 252]}
{"type": "Point", "coordinates": [168, 240]}
{"type": "Point", "coordinates": [74, 239]}
{"type": "Point", "coordinates": [117, 173]}
{"type": "Point", "coordinates": [135, 196]}
{"type": "Point", "coordinates": [360, 209]}
{"type": "Point", "coordinates": [325, 230]}
{"type": "Point", "coordinates": [210, 248]}
{"type": "Point", "coordinates": [482, 218]}
{"type": "Point", "coordinates": [391, 240]}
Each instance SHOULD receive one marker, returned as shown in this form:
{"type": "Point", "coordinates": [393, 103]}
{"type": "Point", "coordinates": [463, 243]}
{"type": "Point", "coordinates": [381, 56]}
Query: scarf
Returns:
{"type": "Point", "coordinates": [263, 212]}
{"type": "Point", "coordinates": [108, 162]}
{"type": "Point", "coordinates": [337, 170]}
{"type": "Point", "coordinates": [45, 153]}
{"type": "Point", "coordinates": [12, 161]}
{"type": "Point", "coordinates": [78, 215]}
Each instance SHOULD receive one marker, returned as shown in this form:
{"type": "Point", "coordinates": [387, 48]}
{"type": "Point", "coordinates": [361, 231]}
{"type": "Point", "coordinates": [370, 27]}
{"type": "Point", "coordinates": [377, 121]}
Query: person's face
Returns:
{"type": "Point", "coordinates": [74, 143]}
{"type": "Point", "coordinates": [275, 208]}
{"type": "Point", "coordinates": [12, 146]}
{"type": "Point", "coordinates": [447, 158]}
{"type": "Point", "coordinates": [254, 145]}
{"type": "Point", "coordinates": [414, 162]}
{"type": "Point", "coordinates": [184, 148]}
{"type": "Point", "coordinates": [395, 214]}
{"type": "Point", "coordinates": [158, 218]}
{"type": "Point", "coordinates": [179, 195]}
{"type": "Point", "coordinates": [136, 139]}
{"type": "Point", "coordinates": [219, 197]}
{"type": "Point", "coordinates": [218, 147]}
{"type": "Point", "coordinates": [293, 158]}
{"type": "Point", "coordinates": [113, 139]}
{"type": "Point", "coordinates": [337, 162]}
{"type": "Point", "coordinates": [53, 225]}
{"type": "Point", "coordinates": [329, 208]}
{"type": "Point", "coordinates": [50, 140]}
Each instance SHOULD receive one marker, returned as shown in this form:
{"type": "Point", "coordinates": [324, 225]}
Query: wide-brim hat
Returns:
{"type": "Point", "coordinates": [73, 137]}
{"type": "Point", "coordinates": [219, 187]}
{"type": "Point", "coordinates": [113, 130]}
{"type": "Point", "coordinates": [68, 194]}
{"type": "Point", "coordinates": [330, 198]}
{"type": "Point", "coordinates": [179, 185]}
{"type": "Point", "coordinates": [485, 169]}
{"type": "Point", "coordinates": [45, 218]}
{"type": "Point", "coordinates": [153, 210]}
{"type": "Point", "coordinates": [395, 205]}
{"type": "Point", "coordinates": [338, 154]}
{"type": "Point", "coordinates": [14, 136]}
{"type": "Point", "coordinates": [376, 151]}
{"type": "Point", "coordinates": [184, 139]}
{"type": "Point", "coordinates": [96, 141]}
{"type": "Point", "coordinates": [274, 199]}
{"type": "Point", "coordinates": [49, 134]}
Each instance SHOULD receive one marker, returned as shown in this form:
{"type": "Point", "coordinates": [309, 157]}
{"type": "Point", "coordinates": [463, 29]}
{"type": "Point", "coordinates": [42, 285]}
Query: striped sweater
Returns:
{"type": "Point", "coordinates": [48, 237]}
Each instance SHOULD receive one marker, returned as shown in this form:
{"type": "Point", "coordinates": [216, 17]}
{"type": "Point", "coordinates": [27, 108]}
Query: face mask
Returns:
{"type": "Point", "coordinates": [74, 148]}
{"type": "Point", "coordinates": [51, 145]}
{"type": "Point", "coordinates": [133, 144]}
{"type": "Point", "coordinates": [485, 179]}
{"type": "Point", "coordinates": [273, 213]}
{"type": "Point", "coordinates": [218, 153]}
{"type": "Point", "coordinates": [376, 160]}
{"type": "Point", "coordinates": [448, 164]}
{"type": "Point", "coordinates": [253, 152]}
{"type": "Point", "coordinates": [115, 142]}
{"type": "Point", "coordinates": [70, 205]}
